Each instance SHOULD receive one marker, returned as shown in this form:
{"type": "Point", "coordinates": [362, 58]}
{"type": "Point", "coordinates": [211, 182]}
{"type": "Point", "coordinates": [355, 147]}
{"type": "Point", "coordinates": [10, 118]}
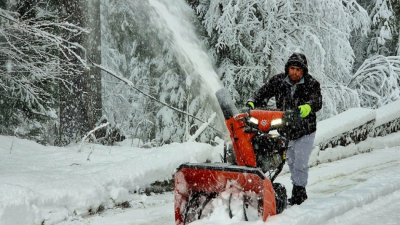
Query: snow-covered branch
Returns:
{"type": "Point", "coordinates": [377, 81]}
{"type": "Point", "coordinates": [91, 133]}
{"type": "Point", "coordinates": [35, 59]}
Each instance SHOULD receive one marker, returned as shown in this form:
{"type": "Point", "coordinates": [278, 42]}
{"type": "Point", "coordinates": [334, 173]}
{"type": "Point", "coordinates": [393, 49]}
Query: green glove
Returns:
{"type": "Point", "coordinates": [250, 104]}
{"type": "Point", "coordinates": [304, 110]}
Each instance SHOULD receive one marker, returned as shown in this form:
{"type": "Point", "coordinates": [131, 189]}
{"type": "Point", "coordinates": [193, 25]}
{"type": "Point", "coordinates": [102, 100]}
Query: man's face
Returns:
{"type": "Point", "coordinates": [295, 73]}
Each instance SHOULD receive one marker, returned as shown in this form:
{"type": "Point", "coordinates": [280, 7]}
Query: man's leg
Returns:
{"type": "Point", "coordinates": [302, 149]}
{"type": "Point", "coordinates": [297, 157]}
{"type": "Point", "coordinates": [291, 157]}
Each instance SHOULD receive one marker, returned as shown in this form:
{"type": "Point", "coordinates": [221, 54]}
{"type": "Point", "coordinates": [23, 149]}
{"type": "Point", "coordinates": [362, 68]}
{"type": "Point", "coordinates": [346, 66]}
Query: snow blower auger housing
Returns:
{"type": "Point", "coordinates": [257, 158]}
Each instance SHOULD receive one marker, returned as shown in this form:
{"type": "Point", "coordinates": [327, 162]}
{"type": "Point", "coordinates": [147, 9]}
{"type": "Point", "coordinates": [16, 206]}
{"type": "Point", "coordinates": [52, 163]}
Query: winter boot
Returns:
{"type": "Point", "coordinates": [299, 195]}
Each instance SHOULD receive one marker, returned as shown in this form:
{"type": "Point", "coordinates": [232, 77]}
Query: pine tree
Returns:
{"type": "Point", "coordinates": [140, 48]}
{"type": "Point", "coordinates": [384, 34]}
{"type": "Point", "coordinates": [134, 50]}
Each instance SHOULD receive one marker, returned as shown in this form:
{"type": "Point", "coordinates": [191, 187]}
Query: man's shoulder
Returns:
{"type": "Point", "coordinates": [279, 76]}
{"type": "Point", "coordinates": [311, 79]}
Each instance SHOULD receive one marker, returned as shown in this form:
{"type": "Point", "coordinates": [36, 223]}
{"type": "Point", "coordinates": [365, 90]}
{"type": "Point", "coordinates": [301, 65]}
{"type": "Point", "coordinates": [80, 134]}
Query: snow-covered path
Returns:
{"type": "Point", "coordinates": [362, 189]}
{"type": "Point", "coordinates": [346, 185]}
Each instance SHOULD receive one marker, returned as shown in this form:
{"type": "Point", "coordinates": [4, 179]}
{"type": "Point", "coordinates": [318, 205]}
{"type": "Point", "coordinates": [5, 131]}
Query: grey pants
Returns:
{"type": "Point", "coordinates": [297, 157]}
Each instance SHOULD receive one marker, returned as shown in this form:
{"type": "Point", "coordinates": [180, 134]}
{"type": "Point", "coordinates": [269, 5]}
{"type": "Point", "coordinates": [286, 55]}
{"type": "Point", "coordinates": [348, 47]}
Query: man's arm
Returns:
{"type": "Point", "coordinates": [265, 92]}
{"type": "Point", "coordinates": [316, 97]}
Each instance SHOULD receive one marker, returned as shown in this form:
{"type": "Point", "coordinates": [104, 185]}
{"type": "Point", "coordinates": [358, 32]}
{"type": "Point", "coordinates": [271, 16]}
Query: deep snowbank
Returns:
{"type": "Point", "coordinates": [50, 183]}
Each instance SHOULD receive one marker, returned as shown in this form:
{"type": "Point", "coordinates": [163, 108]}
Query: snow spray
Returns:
{"type": "Point", "coordinates": [175, 16]}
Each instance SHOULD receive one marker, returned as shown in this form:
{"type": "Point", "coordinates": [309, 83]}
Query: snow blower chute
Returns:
{"type": "Point", "coordinates": [247, 173]}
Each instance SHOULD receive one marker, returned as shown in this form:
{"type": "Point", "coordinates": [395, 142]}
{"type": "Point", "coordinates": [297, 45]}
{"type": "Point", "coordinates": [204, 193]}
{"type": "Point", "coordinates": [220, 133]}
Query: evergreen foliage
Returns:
{"type": "Point", "coordinates": [383, 38]}
{"type": "Point", "coordinates": [136, 49]}
{"type": "Point", "coordinates": [377, 81]}
{"type": "Point", "coordinates": [31, 68]}
{"type": "Point", "coordinates": [131, 49]}
{"type": "Point", "coordinates": [253, 39]}
{"type": "Point", "coordinates": [352, 48]}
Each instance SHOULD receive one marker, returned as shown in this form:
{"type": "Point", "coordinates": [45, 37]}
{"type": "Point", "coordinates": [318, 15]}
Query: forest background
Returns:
{"type": "Point", "coordinates": [58, 61]}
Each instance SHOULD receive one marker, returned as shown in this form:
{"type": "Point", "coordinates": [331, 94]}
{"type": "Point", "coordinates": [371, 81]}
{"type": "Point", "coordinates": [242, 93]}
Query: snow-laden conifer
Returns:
{"type": "Point", "coordinates": [253, 39]}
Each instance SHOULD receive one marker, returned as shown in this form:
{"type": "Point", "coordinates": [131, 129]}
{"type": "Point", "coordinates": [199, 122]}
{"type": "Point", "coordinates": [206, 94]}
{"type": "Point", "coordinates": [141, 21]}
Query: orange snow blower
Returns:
{"type": "Point", "coordinates": [250, 168]}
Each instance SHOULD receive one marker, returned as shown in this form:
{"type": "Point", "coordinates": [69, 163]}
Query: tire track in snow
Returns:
{"type": "Point", "coordinates": [337, 193]}
{"type": "Point", "coordinates": [356, 177]}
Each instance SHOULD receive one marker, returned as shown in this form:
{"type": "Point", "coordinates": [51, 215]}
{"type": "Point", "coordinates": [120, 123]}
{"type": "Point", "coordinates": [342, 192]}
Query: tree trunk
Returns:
{"type": "Point", "coordinates": [3, 4]}
{"type": "Point", "coordinates": [80, 97]}
{"type": "Point", "coordinates": [93, 46]}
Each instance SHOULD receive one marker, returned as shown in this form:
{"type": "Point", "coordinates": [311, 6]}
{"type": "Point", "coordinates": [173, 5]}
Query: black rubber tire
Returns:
{"type": "Point", "coordinates": [280, 197]}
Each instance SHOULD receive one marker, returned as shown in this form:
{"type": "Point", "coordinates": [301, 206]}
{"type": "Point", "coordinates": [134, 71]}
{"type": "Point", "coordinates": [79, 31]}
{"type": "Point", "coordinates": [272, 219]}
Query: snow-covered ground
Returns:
{"type": "Point", "coordinates": [52, 184]}
{"type": "Point", "coordinates": [61, 185]}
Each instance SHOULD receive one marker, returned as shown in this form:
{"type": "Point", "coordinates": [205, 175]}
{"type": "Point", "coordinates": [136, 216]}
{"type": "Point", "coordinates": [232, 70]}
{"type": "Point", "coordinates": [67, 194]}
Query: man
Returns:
{"type": "Point", "coordinates": [295, 89]}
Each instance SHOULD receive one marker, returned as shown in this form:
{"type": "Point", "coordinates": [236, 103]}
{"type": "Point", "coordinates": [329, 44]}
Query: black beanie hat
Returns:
{"type": "Point", "coordinates": [297, 59]}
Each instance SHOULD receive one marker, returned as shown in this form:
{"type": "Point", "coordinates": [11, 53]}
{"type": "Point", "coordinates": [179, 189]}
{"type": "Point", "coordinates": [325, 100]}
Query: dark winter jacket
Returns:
{"type": "Point", "coordinates": [307, 91]}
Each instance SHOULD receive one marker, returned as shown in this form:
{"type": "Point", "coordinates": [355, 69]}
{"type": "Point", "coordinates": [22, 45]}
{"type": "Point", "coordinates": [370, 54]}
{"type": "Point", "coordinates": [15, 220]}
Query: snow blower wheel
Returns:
{"type": "Point", "coordinates": [280, 197]}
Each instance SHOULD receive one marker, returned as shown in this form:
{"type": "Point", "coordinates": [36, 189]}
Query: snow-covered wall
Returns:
{"type": "Point", "coordinates": [387, 119]}
{"type": "Point", "coordinates": [351, 126]}
{"type": "Point", "coordinates": [355, 131]}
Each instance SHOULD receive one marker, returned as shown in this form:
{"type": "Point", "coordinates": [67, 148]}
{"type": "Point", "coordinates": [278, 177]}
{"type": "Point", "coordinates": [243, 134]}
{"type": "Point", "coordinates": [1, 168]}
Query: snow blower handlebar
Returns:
{"type": "Point", "coordinates": [262, 120]}
{"type": "Point", "coordinates": [244, 126]}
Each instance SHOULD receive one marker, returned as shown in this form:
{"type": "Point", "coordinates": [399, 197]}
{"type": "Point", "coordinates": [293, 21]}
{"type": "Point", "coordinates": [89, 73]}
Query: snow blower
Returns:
{"type": "Point", "coordinates": [247, 173]}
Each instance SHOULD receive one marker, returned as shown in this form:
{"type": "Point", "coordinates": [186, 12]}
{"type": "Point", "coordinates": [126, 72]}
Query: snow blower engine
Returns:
{"type": "Point", "coordinates": [244, 182]}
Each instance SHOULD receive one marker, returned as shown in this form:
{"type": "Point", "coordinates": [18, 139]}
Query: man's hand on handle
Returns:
{"type": "Point", "coordinates": [250, 105]}
{"type": "Point", "coordinates": [304, 110]}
